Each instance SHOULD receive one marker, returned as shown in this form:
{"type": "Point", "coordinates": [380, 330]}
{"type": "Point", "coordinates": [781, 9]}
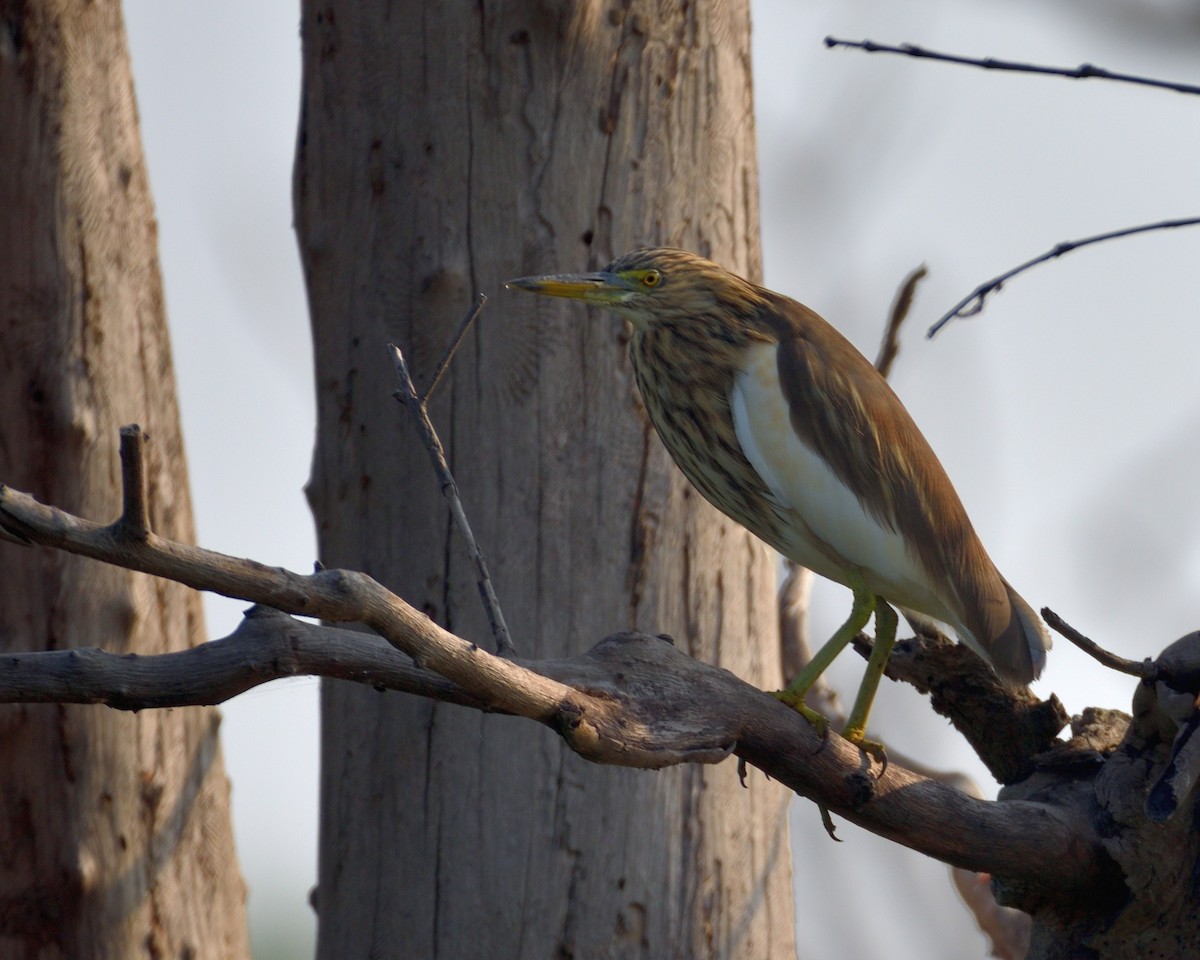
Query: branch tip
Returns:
{"type": "Point", "coordinates": [1142, 669]}
{"type": "Point", "coordinates": [972, 304]}
{"type": "Point", "coordinates": [889, 348]}
{"type": "Point", "coordinates": [464, 325]}
{"type": "Point", "coordinates": [416, 404]}
{"type": "Point", "coordinates": [827, 823]}
{"type": "Point", "coordinates": [133, 523]}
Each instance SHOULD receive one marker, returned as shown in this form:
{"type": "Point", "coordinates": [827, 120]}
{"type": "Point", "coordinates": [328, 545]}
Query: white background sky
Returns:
{"type": "Point", "coordinates": [1067, 414]}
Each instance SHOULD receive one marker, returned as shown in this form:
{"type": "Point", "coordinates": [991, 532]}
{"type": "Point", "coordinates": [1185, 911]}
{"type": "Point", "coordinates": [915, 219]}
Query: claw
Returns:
{"type": "Point", "coordinates": [827, 823]}
{"type": "Point", "coordinates": [873, 748]}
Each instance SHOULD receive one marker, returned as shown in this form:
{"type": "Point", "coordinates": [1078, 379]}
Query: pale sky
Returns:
{"type": "Point", "coordinates": [1066, 414]}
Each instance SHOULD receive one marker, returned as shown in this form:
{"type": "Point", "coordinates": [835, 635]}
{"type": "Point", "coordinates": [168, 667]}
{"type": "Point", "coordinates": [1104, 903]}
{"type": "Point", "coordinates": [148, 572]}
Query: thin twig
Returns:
{"type": "Point", "coordinates": [1135, 668]}
{"type": "Point", "coordinates": [440, 370]}
{"type": "Point", "coordinates": [133, 522]}
{"type": "Point", "coordinates": [410, 398]}
{"type": "Point", "coordinates": [972, 303]}
{"type": "Point", "coordinates": [889, 348]}
{"type": "Point", "coordinates": [1085, 71]}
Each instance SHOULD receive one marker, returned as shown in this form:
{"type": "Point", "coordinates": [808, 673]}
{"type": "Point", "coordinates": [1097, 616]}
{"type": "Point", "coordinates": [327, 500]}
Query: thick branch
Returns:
{"type": "Point", "coordinates": [267, 645]}
{"type": "Point", "coordinates": [1006, 727]}
{"type": "Point", "coordinates": [336, 595]}
{"type": "Point", "coordinates": [633, 700]}
{"type": "Point", "coordinates": [643, 698]}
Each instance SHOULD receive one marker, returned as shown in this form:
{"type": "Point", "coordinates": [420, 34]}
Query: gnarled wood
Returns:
{"type": "Point", "coordinates": [1074, 844]}
{"type": "Point", "coordinates": [632, 700]}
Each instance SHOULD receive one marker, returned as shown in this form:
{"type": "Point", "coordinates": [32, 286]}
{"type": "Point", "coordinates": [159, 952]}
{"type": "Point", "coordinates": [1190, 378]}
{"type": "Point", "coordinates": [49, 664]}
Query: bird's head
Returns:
{"type": "Point", "coordinates": [654, 285]}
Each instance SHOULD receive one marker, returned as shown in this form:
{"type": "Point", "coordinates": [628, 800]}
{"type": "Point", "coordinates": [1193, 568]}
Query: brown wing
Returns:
{"type": "Point", "coordinates": [845, 411]}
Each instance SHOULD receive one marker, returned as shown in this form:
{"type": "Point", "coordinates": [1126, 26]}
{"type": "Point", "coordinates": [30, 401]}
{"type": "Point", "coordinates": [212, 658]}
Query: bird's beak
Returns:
{"type": "Point", "coordinates": [599, 288]}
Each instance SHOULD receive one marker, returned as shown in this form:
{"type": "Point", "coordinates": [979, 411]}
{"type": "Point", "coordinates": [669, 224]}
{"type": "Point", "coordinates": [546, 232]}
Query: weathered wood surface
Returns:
{"type": "Point", "coordinates": [115, 827]}
{"type": "Point", "coordinates": [445, 148]}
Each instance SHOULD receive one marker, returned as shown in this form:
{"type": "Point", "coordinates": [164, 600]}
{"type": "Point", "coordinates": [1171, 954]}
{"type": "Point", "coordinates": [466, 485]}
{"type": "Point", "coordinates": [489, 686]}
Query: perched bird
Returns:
{"type": "Point", "coordinates": [785, 427]}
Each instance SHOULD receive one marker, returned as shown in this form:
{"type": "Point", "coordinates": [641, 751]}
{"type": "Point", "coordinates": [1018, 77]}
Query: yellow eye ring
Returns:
{"type": "Point", "coordinates": [651, 278]}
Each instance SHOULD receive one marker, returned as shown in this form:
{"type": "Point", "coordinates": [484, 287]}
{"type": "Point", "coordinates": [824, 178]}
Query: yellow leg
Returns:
{"type": "Point", "coordinates": [885, 640]}
{"type": "Point", "coordinates": [860, 613]}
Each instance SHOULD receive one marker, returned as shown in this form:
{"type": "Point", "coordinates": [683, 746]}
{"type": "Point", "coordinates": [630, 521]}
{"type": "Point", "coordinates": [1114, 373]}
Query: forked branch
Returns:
{"type": "Point", "coordinates": [418, 405]}
{"type": "Point", "coordinates": [633, 700]}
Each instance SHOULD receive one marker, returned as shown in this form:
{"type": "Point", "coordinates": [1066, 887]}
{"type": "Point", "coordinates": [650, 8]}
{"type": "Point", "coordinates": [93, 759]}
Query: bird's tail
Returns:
{"type": "Point", "coordinates": [1019, 653]}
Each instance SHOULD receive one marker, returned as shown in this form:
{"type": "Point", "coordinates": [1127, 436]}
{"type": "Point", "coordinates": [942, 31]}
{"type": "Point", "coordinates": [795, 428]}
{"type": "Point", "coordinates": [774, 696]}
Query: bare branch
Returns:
{"type": "Point", "coordinates": [416, 404]}
{"type": "Point", "coordinates": [267, 645]}
{"type": "Point", "coordinates": [632, 700]}
{"type": "Point", "coordinates": [889, 348]}
{"type": "Point", "coordinates": [1135, 668]}
{"type": "Point", "coordinates": [638, 699]}
{"type": "Point", "coordinates": [134, 520]}
{"type": "Point", "coordinates": [335, 595]}
{"type": "Point", "coordinates": [452, 347]}
{"type": "Point", "coordinates": [1008, 728]}
{"type": "Point", "coordinates": [1085, 71]}
{"type": "Point", "coordinates": [972, 303]}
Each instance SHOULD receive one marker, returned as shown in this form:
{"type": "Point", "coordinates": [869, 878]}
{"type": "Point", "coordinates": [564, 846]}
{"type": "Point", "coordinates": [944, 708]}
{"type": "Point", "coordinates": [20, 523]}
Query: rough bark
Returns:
{"type": "Point", "coordinates": [443, 149]}
{"type": "Point", "coordinates": [1097, 844]}
{"type": "Point", "coordinates": [115, 828]}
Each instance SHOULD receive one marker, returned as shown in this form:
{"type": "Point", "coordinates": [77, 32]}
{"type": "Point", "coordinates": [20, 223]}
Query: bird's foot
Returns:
{"type": "Point", "coordinates": [795, 700]}
{"type": "Point", "coordinates": [872, 748]}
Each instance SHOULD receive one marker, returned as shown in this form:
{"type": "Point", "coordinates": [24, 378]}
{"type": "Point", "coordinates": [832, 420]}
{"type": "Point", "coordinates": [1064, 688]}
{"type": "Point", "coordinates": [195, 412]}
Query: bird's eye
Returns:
{"type": "Point", "coordinates": [651, 278]}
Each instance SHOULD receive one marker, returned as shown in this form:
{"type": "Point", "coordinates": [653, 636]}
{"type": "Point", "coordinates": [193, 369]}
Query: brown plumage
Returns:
{"type": "Point", "coordinates": [784, 426]}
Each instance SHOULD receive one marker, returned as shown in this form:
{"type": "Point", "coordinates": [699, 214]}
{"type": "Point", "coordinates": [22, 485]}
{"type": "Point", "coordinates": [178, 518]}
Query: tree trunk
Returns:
{"type": "Point", "coordinates": [114, 827]}
{"type": "Point", "coordinates": [444, 148]}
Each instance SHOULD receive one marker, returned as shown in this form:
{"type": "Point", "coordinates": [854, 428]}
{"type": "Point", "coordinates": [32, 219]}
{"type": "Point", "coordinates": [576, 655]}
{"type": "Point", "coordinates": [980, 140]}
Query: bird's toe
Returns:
{"type": "Point", "coordinates": [872, 748]}
{"type": "Point", "coordinates": [795, 700]}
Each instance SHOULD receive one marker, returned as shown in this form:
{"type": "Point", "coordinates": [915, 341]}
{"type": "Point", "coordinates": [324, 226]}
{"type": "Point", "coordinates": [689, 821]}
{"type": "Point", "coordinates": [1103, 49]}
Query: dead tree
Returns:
{"type": "Point", "coordinates": [443, 149]}
{"type": "Point", "coordinates": [115, 827]}
{"type": "Point", "coordinates": [1093, 838]}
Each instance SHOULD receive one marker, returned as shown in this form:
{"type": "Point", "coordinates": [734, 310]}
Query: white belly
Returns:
{"type": "Point", "coordinates": [805, 485]}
